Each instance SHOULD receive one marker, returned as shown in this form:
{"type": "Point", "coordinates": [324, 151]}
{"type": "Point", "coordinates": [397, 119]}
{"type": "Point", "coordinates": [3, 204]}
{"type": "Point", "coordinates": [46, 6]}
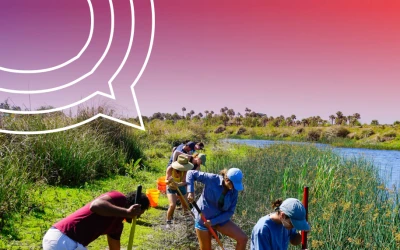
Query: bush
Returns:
{"type": "Point", "coordinates": [353, 136]}
{"type": "Point", "coordinates": [241, 130]}
{"type": "Point", "coordinates": [284, 135]}
{"type": "Point", "coordinates": [367, 132]}
{"type": "Point", "coordinates": [313, 135]}
{"type": "Point", "coordinates": [298, 131]}
{"type": "Point", "coordinates": [336, 131]}
{"type": "Point", "coordinates": [390, 134]}
{"type": "Point", "coordinates": [219, 129]}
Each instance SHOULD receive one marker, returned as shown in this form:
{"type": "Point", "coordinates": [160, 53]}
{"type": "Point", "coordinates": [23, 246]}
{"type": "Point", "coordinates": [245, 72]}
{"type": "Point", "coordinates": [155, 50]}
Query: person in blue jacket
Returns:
{"type": "Point", "coordinates": [276, 230]}
{"type": "Point", "coordinates": [217, 203]}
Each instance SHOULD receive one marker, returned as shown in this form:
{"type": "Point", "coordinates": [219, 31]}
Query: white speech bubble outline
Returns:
{"type": "Point", "coordinates": [35, 71]}
{"type": "Point", "coordinates": [141, 127]}
{"type": "Point", "coordinates": [112, 95]}
{"type": "Point", "coordinates": [41, 91]}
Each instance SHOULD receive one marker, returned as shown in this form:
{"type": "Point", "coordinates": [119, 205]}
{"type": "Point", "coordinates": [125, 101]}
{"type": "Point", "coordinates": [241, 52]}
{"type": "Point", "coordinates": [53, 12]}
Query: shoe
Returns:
{"type": "Point", "coordinates": [169, 224]}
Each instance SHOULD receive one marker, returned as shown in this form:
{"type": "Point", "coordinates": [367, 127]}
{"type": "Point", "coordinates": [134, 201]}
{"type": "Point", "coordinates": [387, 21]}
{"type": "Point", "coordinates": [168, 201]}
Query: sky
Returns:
{"type": "Point", "coordinates": [276, 57]}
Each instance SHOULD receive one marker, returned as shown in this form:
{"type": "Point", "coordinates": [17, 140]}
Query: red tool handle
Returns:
{"type": "Point", "coordinates": [305, 203]}
{"type": "Point", "coordinates": [209, 227]}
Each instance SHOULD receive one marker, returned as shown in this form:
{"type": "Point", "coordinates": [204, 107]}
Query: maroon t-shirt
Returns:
{"type": "Point", "coordinates": [84, 226]}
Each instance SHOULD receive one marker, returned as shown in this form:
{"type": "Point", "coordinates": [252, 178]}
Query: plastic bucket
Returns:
{"type": "Point", "coordinates": [153, 194]}
{"type": "Point", "coordinates": [161, 185]}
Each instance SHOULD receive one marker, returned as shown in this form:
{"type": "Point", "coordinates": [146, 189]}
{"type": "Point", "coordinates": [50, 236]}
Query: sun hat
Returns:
{"type": "Point", "coordinates": [235, 176]}
{"type": "Point", "coordinates": [295, 210]}
{"type": "Point", "coordinates": [203, 159]}
{"type": "Point", "coordinates": [182, 163]}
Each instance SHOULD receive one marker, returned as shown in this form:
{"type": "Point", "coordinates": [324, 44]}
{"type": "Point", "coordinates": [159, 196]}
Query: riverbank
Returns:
{"type": "Point", "coordinates": [371, 137]}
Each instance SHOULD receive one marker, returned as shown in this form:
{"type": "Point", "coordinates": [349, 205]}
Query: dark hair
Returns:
{"type": "Point", "coordinates": [144, 201]}
{"type": "Point", "coordinates": [276, 204]}
{"type": "Point", "coordinates": [223, 172]}
{"type": "Point", "coordinates": [200, 144]}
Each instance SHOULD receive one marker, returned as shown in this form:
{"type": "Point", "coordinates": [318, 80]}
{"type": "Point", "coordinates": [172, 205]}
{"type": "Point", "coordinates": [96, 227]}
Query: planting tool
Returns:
{"type": "Point", "coordinates": [209, 227]}
{"type": "Point", "coordinates": [305, 203]}
{"type": "Point", "coordinates": [132, 233]}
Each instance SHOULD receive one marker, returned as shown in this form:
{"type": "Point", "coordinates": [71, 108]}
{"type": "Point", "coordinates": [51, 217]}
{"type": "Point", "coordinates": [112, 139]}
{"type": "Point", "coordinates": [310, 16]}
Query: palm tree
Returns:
{"type": "Point", "coordinates": [230, 113]}
{"type": "Point", "coordinates": [374, 122]}
{"type": "Point", "coordinates": [332, 117]}
{"type": "Point", "coordinates": [183, 111]}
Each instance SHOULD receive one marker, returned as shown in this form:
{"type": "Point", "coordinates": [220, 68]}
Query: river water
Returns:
{"type": "Point", "coordinates": [388, 161]}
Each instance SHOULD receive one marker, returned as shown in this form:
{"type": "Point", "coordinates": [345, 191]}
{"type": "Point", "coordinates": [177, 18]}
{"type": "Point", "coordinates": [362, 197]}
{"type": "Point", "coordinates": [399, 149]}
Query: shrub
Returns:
{"type": "Point", "coordinates": [298, 131]}
{"type": "Point", "coordinates": [390, 134]}
{"type": "Point", "coordinates": [367, 132]}
{"type": "Point", "coordinates": [284, 135]}
{"type": "Point", "coordinates": [219, 129]}
{"type": "Point", "coordinates": [336, 131]}
{"type": "Point", "coordinates": [241, 130]}
{"type": "Point", "coordinates": [313, 135]}
{"type": "Point", "coordinates": [353, 136]}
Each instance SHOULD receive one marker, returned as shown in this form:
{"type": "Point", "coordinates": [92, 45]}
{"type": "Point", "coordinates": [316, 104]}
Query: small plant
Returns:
{"type": "Point", "coordinates": [132, 167]}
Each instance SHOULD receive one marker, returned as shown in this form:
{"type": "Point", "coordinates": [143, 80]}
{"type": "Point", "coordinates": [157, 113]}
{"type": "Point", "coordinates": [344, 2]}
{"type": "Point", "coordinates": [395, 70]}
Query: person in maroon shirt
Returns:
{"type": "Point", "coordinates": [102, 216]}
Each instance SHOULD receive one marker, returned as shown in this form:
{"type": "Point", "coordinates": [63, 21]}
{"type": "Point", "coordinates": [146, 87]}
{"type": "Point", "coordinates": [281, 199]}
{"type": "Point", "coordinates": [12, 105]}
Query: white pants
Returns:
{"type": "Point", "coordinates": [54, 239]}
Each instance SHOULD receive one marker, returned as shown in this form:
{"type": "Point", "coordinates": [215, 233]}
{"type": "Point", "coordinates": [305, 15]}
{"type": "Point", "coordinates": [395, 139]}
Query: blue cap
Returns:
{"type": "Point", "coordinates": [235, 176]}
{"type": "Point", "coordinates": [295, 210]}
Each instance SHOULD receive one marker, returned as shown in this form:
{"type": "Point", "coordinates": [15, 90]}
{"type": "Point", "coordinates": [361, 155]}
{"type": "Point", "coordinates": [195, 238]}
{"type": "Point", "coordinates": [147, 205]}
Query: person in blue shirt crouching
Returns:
{"type": "Point", "coordinates": [217, 203]}
{"type": "Point", "coordinates": [276, 230]}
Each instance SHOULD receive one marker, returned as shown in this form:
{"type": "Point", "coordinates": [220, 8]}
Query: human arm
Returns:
{"type": "Point", "coordinates": [226, 215]}
{"type": "Point", "coordinates": [193, 175]}
{"type": "Point", "coordinates": [104, 206]}
{"type": "Point", "coordinates": [295, 239]}
{"type": "Point", "coordinates": [113, 244]}
{"type": "Point", "coordinates": [169, 179]}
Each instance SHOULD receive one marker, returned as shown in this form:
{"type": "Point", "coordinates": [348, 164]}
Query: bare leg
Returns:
{"type": "Point", "coordinates": [204, 239]}
{"type": "Point", "coordinates": [172, 205]}
{"type": "Point", "coordinates": [230, 229]}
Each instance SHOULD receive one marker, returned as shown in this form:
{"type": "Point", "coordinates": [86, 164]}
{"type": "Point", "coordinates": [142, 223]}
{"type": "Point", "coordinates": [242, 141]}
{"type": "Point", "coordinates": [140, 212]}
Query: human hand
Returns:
{"type": "Point", "coordinates": [134, 210]}
{"type": "Point", "coordinates": [172, 185]}
{"type": "Point", "coordinates": [190, 197]}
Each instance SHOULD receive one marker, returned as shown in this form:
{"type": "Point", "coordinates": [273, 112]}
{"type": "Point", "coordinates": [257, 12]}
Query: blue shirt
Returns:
{"type": "Point", "coordinates": [179, 149]}
{"type": "Point", "coordinates": [208, 201]}
{"type": "Point", "coordinates": [269, 235]}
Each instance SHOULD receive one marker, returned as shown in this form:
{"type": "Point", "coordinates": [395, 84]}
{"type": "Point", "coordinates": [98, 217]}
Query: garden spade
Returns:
{"type": "Point", "coordinates": [132, 233]}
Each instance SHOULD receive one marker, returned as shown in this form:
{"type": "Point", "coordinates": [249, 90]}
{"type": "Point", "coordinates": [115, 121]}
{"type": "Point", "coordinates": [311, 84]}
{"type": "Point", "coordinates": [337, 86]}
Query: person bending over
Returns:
{"type": "Point", "coordinates": [274, 231]}
{"type": "Point", "coordinates": [102, 216]}
{"type": "Point", "coordinates": [217, 203]}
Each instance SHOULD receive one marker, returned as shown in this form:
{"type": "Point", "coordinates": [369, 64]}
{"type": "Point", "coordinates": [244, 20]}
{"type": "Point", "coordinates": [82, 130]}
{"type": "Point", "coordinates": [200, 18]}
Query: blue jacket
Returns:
{"type": "Point", "coordinates": [208, 201]}
{"type": "Point", "coordinates": [269, 235]}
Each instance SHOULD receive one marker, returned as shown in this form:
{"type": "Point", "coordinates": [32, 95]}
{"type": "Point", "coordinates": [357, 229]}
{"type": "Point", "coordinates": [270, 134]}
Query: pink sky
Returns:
{"type": "Point", "coordinates": [305, 58]}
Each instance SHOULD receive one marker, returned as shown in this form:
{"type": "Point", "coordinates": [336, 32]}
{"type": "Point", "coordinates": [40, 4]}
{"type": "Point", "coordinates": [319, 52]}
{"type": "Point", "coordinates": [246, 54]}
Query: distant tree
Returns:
{"type": "Point", "coordinates": [230, 113]}
{"type": "Point", "coordinates": [332, 117]}
{"type": "Point", "coordinates": [192, 112]}
{"type": "Point", "coordinates": [293, 117]}
{"type": "Point", "coordinates": [176, 117]}
{"type": "Point", "coordinates": [183, 111]}
{"type": "Point", "coordinates": [188, 116]}
{"type": "Point", "coordinates": [374, 122]}
{"type": "Point", "coordinates": [396, 123]}
{"type": "Point", "coordinates": [224, 118]}
{"type": "Point", "coordinates": [200, 115]}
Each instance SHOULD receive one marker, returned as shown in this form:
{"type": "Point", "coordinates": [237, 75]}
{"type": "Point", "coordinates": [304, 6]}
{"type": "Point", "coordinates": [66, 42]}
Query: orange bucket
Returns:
{"type": "Point", "coordinates": [161, 185]}
{"type": "Point", "coordinates": [153, 194]}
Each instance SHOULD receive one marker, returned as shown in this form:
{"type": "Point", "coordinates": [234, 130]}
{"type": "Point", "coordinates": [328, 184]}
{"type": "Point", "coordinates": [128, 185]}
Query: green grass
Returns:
{"type": "Point", "coordinates": [50, 204]}
{"type": "Point", "coordinates": [350, 208]}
